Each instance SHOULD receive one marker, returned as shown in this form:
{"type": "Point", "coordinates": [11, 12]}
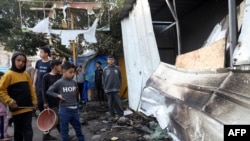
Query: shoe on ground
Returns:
{"type": "Point", "coordinates": [122, 119]}
{"type": "Point", "coordinates": [48, 137]}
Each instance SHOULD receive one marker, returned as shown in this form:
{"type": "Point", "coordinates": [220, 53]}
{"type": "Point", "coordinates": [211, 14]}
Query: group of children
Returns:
{"type": "Point", "coordinates": [53, 87]}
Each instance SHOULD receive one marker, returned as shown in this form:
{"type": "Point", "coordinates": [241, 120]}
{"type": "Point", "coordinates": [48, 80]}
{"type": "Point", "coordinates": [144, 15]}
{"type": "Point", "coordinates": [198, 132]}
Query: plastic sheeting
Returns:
{"type": "Point", "coordinates": [67, 35]}
{"type": "Point", "coordinates": [140, 50]}
{"type": "Point", "coordinates": [90, 73]}
{"type": "Point", "coordinates": [90, 68]}
{"type": "Point", "coordinates": [4, 68]}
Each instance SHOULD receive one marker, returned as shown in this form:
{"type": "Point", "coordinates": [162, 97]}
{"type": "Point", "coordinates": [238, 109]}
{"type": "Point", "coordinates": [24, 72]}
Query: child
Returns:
{"type": "Point", "coordinates": [111, 80]}
{"type": "Point", "coordinates": [65, 89]}
{"type": "Point", "coordinates": [98, 82]}
{"type": "Point", "coordinates": [3, 119]}
{"type": "Point", "coordinates": [17, 91]}
{"type": "Point", "coordinates": [48, 80]}
{"type": "Point", "coordinates": [79, 78]}
{"type": "Point", "coordinates": [42, 67]}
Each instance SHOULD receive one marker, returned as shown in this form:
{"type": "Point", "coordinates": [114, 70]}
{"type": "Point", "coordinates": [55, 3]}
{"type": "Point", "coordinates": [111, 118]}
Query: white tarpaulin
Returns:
{"type": "Point", "coordinates": [140, 50]}
{"type": "Point", "coordinates": [67, 35]}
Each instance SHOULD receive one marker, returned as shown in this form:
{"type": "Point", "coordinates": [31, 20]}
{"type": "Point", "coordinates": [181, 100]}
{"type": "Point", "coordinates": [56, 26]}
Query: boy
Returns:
{"type": "Point", "coordinates": [48, 80]}
{"type": "Point", "coordinates": [65, 89]}
{"type": "Point", "coordinates": [79, 78]}
{"type": "Point", "coordinates": [16, 90]}
{"type": "Point", "coordinates": [42, 67]}
{"type": "Point", "coordinates": [98, 82]}
{"type": "Point", "coordinates": [30, 70]}
{"type": "Point", "coordinates": [111, 81]}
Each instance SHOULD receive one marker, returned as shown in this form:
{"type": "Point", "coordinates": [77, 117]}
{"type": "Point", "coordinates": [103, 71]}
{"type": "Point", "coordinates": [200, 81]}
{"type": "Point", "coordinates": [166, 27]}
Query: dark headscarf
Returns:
{"type": "Point", "coordinates": [13, 67]}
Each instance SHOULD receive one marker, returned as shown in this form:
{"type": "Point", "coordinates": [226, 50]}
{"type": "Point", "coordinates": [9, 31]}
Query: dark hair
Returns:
{"type": "Point", "coordinates": [54, 63]}
{"type": "Point", "coordinates": [111, 56]}
{"type": "Point", "coordinates": [45, 49]}
{"type": "Point", "coordinates": [98, 62]}
{"type": "Point", "coordinates": [1, 74]}
{"type": "Point", "coordinates": [67, 66]}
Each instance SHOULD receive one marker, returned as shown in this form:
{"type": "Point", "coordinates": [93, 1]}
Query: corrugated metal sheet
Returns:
{"type": "Point", "coordinates": [197, 103]}
{"type": "Point", "coordinates": [140, 50]}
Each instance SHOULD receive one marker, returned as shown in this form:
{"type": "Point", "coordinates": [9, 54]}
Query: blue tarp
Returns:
{"type": "Point", "coordinates": [4, 68]}
{"type": "Point", "coordinates": [90, 69]}
{"type": "Point", "coordinates": [90, 72]}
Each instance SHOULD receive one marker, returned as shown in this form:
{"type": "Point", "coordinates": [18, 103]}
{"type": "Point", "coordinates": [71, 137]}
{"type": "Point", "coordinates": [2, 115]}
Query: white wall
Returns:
{"type": "Point", "coordinates": [140, 50]}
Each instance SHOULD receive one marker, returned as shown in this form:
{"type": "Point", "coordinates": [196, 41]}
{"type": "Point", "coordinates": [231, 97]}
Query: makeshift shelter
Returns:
{"type": "Point", "coordinates": [198, 77]}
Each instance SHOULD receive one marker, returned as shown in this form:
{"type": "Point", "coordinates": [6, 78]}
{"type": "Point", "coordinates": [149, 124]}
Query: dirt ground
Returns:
{"type": "Point", "coordinates": [98, 126]}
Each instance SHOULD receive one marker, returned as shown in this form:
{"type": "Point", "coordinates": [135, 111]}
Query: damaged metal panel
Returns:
{"type": "Point", "coordinates": [139, 44]}
{"type": "Point", "coordinates": [241, 54]}
{"type": "Point", "coordinates": [197, 103]}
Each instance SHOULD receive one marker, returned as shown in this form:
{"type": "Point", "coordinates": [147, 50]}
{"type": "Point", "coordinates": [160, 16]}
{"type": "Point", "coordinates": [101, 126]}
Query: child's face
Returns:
{"type": "Point", "coordinates": [98, 65]}
{"type": "Point", "coordinates": [20, 61]}
{"type": "Point", "coordinates": [42, 53]}
{"type": "Point", "coordinates": [58, 68]}
{"type": "Point", "coordinates": [111, 61]}
{"type": "Point", "coordinates": [69, 73]}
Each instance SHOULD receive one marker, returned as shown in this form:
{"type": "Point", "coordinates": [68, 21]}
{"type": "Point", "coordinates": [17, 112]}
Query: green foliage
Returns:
{"type": "Point", "coordinates": [13, 38]}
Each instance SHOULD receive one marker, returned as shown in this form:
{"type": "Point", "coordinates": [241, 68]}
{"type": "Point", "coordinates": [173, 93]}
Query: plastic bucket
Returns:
{"type": "Point", "coordinates": [47, 120]}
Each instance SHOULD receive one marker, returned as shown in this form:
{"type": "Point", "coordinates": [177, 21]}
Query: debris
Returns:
{"type": "Point", "coordinates": [114, 138]}
{"type": "Point", "coordinates": [130, 127]}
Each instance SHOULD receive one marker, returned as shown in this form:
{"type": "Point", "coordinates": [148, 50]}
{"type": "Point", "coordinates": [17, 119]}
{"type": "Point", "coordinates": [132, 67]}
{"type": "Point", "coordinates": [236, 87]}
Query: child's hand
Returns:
{"type": "Point", "coordinates": [45, 105]}
{"type": "Point", "coordinates": [60, 97]}
{"type": "Point", "coordinates": [13, 106]}
{"type": "Point", "coordinates": [35, 107]}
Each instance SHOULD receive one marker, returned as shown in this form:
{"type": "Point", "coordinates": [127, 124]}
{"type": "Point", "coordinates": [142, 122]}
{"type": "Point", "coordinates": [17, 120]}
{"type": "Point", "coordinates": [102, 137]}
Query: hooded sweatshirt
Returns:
{"type": "Point", "coordinates": [16, 85]}
{"type": "Point", "coordinates": [111, 79]}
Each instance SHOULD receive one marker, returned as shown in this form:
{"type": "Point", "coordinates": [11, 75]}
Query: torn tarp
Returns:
{"type": "Point", "coordinates": [67, 35]}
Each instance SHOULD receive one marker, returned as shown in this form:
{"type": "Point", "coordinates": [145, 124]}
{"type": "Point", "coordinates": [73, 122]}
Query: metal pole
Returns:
{"type": "Point", "coordinates": [232, 28]}
{"type": "Point", "coordinates": [177, 25]}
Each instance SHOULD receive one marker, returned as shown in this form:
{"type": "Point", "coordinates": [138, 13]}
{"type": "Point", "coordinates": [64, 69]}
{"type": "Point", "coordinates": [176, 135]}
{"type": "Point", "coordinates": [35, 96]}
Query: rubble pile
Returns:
{"type": "Point", "coordinates": [98, 126]}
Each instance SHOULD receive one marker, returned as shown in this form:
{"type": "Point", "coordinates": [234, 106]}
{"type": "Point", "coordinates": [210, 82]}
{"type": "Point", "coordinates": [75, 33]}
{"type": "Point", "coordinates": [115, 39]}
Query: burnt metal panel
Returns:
{"type": "Point", "coordinates": [197, 103]}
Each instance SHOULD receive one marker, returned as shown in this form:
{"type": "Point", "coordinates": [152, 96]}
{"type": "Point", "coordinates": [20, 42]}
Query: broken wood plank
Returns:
{"type": "Point", "coordinates": [208, 57]}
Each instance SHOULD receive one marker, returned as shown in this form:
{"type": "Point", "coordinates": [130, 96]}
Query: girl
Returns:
{"type": "Point", "coordinates": [17, 91]}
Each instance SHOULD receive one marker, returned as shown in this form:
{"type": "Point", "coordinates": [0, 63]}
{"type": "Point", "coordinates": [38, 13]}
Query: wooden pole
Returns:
{"type": "Point", "coordinates": [73, 42]}
{"type": "Point", "coordinates": [73, 48]}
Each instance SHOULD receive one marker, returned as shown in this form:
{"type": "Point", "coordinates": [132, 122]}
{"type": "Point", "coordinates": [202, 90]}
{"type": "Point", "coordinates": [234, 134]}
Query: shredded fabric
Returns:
{"type": "Point", "coordinates": [67, 35]}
